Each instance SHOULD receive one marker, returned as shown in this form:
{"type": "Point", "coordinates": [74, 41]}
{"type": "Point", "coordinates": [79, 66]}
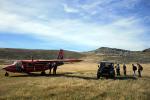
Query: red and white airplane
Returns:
{"type": "Point", "coordinates": [28, 66]}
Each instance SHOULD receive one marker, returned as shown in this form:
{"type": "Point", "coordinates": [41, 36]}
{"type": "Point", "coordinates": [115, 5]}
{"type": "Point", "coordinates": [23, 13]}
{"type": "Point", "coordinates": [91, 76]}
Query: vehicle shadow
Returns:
{"type": "Point", "coordinates": [73, 75]}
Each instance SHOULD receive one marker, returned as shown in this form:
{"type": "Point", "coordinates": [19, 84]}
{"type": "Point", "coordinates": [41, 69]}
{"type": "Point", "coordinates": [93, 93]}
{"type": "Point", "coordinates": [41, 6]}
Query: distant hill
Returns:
{"type": "Point", "coordinates": [146, 50]}
{"type": "Point", "coordinates": [111, 51]}
{"type": "Point", "coordinates": [8, 53]}
{"type": "Point", "coordinates": [120, 55]}
{"type": "Point", "coordinates": [103, 53]}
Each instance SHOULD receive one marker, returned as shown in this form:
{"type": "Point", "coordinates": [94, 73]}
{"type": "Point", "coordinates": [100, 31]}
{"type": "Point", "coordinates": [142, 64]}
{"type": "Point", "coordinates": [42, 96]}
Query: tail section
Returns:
{"type": "Point", "coordinates": [60, 54]}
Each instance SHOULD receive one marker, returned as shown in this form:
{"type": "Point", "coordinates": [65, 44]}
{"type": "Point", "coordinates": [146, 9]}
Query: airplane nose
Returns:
{"type": "Point", "coordinates": [6, 68]}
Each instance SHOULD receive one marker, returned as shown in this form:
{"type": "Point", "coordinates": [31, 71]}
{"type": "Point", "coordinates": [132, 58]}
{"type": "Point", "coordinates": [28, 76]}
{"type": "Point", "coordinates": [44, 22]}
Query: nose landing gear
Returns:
{"type": "Point", "coordinates": [6, 74]}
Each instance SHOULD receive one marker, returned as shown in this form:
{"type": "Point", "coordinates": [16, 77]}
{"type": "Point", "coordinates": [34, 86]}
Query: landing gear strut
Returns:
{"type": "Point", "coordinates": [6, 74]}
{"type": "Point", "coordinates": [43, 73]}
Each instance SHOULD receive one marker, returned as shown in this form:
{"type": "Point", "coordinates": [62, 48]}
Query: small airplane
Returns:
{"type": "Point", "coordinates": [28, 66]}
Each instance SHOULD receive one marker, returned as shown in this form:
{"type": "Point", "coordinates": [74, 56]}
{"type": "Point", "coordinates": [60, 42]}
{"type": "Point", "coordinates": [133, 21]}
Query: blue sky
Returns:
{"type": "Point", "coordinates": [79, 25]}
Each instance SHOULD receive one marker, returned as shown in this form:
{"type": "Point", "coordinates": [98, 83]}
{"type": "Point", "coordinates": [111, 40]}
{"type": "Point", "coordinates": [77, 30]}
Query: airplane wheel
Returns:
{"type": "Point", "coordinates": [6, 74]}
{"type": "Point", "coordinates": [43, 73]}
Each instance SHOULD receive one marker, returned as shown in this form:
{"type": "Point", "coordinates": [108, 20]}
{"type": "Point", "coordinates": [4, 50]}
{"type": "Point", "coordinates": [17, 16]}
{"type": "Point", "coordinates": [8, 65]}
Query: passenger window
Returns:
{"type": "Point", "coordinates": [29, 64]}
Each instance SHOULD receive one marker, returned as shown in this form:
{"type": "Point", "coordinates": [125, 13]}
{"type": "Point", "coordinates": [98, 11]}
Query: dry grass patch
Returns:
{"type": "Point", "coordinates": [75, 81]}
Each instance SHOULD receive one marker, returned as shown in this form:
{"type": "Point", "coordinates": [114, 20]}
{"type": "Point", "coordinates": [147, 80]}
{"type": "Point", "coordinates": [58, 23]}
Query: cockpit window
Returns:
{"type": "Point", "coordinates": [14, 62]}
{"type": "Point", "coordinates": [17, 63]}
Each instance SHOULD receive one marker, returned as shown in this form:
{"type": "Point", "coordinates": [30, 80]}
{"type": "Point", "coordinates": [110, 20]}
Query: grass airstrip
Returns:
{"type": "Point", "coordinates": [75, 81]}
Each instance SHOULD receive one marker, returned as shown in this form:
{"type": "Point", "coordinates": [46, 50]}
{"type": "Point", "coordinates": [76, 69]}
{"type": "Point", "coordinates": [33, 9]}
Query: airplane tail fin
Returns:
{"type": "Point", "coordinates": [60, 54]}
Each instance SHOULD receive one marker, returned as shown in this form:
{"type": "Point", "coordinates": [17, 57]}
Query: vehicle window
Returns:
{"type": "Point", "coordinates": [102, 64]}
{"type": "Point", "coordinates": [107, 64]}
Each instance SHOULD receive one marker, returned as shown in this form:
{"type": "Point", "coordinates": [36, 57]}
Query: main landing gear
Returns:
{"type": "Point", "coordinates": [6, 74]}
{"type": "Point", "coordinates": [43, 73]}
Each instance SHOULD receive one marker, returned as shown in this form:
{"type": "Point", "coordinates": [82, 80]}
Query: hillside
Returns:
{"type": "Point", "coordinates": [120, 55]}
{"type": "Point", "coordinates": [146, 50]}
{"type": "Point", "coordinates": [110, 51]}
{"type": "Point", "coordinates": [7, 53]}
{"type": "Point", "coordinates": [103, 53]}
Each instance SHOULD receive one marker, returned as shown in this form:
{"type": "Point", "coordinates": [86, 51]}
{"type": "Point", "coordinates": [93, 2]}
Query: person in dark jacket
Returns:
{"type": "Point", "coordinates": [50, 67]}
{"type": "Point", "coordinates": [124, 69]}
{"type": "Point", "coordinates": [118, 70]}
{"type": "Point", "coordinates": [134, 70]}
{"type": "Point", "coordinates": [140, 68]}
{"type": "Point", "coordinates": [54, 68]}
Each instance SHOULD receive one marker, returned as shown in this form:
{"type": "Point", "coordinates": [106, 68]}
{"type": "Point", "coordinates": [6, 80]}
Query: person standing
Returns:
{"type": "Point", "coordinates": [124, 69]}
{"type": "Point", "coordinates": [54, 68]}
{"type": "Point", "coordinates": [50, 66]}
{"type": "Point", "coordinates": [134, 70]}
{"type": "Point", "coordinates": [118, 70]}
{"type": "Point", "coordinates": [140, 68]}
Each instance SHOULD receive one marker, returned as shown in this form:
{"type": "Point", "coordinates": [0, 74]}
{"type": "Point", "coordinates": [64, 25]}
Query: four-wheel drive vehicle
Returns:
{"type": "Point", "coordinates": [106, 69]}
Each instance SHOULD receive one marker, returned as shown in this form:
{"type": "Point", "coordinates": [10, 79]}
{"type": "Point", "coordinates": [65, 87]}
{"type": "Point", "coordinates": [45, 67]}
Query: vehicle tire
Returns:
{"type": "Point", "coordinates": [113, 77]}
{"type": "Point", "coordinates": [6, 74]}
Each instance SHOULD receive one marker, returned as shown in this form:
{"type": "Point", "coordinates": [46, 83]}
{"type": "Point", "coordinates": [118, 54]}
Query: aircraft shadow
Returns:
{"type": "Point", "coordinates": [80, 77]}
{"type": "Point", "coordinates": [38, 75]}
{"type": "Point", "coordinates": [71, 75]}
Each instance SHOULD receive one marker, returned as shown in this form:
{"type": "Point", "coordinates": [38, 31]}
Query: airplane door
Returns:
{"type": "Point", "coordinates": [19, 66]}
{"type": "Point", "coordinates": [34, 67]}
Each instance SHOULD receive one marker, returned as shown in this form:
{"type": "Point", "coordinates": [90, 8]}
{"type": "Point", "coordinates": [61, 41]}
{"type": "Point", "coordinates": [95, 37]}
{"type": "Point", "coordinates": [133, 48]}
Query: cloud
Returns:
{"type": "Point", "coordinates": [69, 9]}
{"type": "Point", "coordinates": [52, 22]}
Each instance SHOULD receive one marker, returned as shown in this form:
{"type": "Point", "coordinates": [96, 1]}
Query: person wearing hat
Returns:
{"type": "Point", "coordinates": [54, 68]}
{"type": "Point", "coordinates": [118, 70]}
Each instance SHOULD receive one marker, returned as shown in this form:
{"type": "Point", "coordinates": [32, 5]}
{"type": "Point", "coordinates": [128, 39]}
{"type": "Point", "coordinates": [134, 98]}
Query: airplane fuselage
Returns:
{"type": "Point", "coordinates": [28, 66]}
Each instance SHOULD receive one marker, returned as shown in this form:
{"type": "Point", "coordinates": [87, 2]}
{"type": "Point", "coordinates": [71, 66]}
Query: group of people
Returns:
{"type": "Point", "coordinates": [52, 66]}
{"type": "Point", "coordinates": [140, 68]}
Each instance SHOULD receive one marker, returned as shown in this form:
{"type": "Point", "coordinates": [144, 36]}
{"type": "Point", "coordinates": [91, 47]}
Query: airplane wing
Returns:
{"type": "Point", "coordinates": [54, 60]}
{"type": "Point", "coordinates": [59, 59]}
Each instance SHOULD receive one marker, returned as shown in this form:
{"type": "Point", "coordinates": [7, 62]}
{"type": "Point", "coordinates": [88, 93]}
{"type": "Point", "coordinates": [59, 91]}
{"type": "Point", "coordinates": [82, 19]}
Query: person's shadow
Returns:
{"type": "Point", "coordinates": [125, 77]}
